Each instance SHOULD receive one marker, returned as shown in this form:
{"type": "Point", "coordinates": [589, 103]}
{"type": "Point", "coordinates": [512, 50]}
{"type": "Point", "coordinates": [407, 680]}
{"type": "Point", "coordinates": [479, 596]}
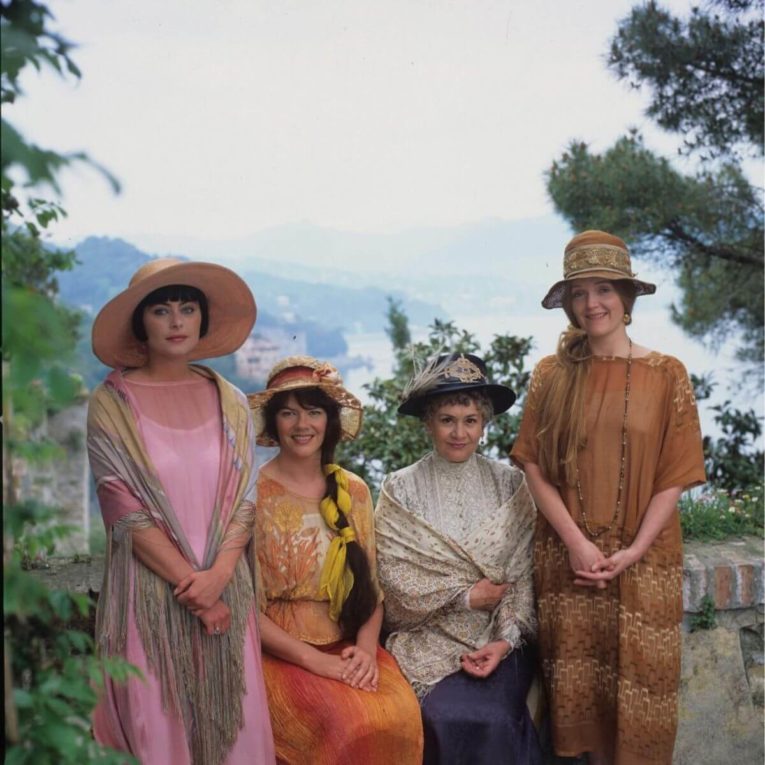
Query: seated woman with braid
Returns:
{"type": "Point", "coordinates": [454, 534]}
{"type": "Point", "coordinates": [335, 696]}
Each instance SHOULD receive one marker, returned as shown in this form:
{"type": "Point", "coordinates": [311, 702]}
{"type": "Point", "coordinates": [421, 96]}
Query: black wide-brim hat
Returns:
{"type": "Point", "coordinates": [451, 373]}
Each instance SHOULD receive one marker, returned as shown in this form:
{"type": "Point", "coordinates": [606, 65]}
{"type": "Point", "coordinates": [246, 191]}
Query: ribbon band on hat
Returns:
{"type": "Point", "coordinates": [603, 257]}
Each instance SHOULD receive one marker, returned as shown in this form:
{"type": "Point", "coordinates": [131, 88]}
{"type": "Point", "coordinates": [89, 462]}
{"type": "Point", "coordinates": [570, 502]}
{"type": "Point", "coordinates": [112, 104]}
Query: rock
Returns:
{"type": "Point", "coordinates": [718, 722]}
{"type": "Point", "coordinates": [729, 572]}
{"type": "Point", "coordinates": [83, 574]}
{"type": "Point", "coordinates": [755, 676]}
{"type": "Point", "coordinates": [754, 661]}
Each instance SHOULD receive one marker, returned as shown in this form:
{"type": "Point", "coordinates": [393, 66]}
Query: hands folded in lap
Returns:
{"type": "Point", "coordinates": [482, 662]}
{"type": "Point", "coordinates": [354, 666]}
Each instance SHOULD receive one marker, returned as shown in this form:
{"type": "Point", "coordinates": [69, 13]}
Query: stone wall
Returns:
{"type": "Point", "coordinates": [63, 483]}
{"type": "Point", "coordinates": [721, 686]}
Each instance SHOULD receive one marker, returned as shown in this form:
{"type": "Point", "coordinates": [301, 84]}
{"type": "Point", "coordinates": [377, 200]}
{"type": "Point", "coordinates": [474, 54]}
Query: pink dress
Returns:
{"type": "Point", "coordinates": [181, 426]}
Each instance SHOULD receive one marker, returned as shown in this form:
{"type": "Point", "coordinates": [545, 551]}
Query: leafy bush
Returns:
{"type": "Point", "coordinates": [717, 515]}
{"type": "Point", "coordinates": [51, 673]}
{"type": "Point", "coordinates": [55, 674]}
{"type": "Point", "coordinates": [388, 442]}
{"type": "Point", "coordinates": [734, 461]}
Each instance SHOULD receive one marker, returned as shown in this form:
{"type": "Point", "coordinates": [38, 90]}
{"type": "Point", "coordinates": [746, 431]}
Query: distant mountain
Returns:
{"type": "Point", "coordinates": [463, 268]}
{"type": "Point", "coordinates": [105, 266]}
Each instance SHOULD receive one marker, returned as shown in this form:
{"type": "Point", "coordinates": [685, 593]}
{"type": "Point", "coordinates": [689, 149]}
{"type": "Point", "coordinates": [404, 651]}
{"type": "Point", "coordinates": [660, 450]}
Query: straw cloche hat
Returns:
{"type": "Point", "coordinates": [595, 254]}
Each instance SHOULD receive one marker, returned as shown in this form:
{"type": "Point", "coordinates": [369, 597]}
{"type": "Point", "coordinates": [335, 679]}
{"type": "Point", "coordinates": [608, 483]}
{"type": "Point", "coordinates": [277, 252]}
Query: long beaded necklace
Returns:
{"type": "Point", "coordinates": [597, 532]}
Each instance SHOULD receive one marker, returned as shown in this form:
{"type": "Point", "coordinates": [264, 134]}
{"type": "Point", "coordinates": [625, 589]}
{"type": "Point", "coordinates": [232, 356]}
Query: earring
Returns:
{"type": "Point", "coordinates": [627, 319]}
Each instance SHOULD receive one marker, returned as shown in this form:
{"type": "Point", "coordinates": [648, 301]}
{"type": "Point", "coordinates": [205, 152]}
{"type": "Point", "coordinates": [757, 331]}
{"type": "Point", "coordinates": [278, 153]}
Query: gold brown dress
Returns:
{"type": "Point", "coordinates": [611, 658]}
{"type": "Point", "coordinates": [315, 719]}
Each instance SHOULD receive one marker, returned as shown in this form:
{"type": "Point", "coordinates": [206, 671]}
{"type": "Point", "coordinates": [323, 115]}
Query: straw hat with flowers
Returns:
{"type": "Point", "coordinates": [296, 372]}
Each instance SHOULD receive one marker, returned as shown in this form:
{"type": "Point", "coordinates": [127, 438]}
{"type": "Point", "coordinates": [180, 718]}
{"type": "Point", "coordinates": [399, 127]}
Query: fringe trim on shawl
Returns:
{"type": "Point", "coordinates": [201, 676]}
{"type": "Point", "coordinates": [113, 602]}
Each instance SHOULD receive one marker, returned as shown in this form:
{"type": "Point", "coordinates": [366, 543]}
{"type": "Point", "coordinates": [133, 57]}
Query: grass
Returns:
{"type": "Point", "coordinates": [706, 618]}
{"type": "Point", "coordinates": [716, 515]}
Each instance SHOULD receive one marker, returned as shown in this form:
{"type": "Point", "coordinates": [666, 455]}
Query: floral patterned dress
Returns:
{"type": "Point", "coordinates": [316, 719]}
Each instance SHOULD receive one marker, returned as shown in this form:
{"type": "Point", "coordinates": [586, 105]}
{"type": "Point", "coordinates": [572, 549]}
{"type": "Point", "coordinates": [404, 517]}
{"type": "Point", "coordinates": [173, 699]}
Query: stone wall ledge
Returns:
{"type": "Point", "coordinates": [722, 683]}
{"type": "Point", "coordinates": [730, 573]}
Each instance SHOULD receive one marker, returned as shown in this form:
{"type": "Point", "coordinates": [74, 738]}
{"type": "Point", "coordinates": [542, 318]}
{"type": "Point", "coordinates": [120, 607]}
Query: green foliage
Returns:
{"type": "Point", "coordinates": [717, 515]}
{"type": "Point", "coordinates": [705, 78]}
{"type": "Point", "coordinates": [705, 74]}
{"type": "Point", "coordinates": [735, 460]}
{"type": "Point", "coordinates": [399, 441]}
{"type": "Point", "coordinates": [55, 675]}
{"type": "Point", "coordinates": [52, 675]}
{"type": "Point", "coordinates": [28, 40]}
{"type": "Point", "coordinates": [706, 618]}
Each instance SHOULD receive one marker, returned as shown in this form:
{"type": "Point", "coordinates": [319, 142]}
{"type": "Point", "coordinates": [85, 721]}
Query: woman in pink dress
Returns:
{"type": "Point", "coordinates": [171, 446]}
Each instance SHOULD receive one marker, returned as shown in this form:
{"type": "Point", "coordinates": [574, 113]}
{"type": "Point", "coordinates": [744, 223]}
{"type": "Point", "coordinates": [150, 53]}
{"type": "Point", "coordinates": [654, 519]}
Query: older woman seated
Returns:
{"type": "Point", "coordinates": [454, 533]}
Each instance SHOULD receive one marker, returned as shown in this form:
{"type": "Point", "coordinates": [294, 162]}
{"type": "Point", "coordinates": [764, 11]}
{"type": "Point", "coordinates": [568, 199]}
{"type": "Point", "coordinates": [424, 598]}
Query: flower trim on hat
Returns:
{"type": "Point", "coordinates": [296, 372]}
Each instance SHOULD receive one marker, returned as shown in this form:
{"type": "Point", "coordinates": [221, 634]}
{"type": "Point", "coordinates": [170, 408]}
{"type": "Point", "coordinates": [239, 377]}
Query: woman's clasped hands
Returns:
{"type": "Point", "coordinates": [200, 592]}
{"type": "Point", "coordinates": [593, 569]}
{"type": "Point", "coordinates": [361, 670]}
{"type": "Point", "coordinates": [353, 666]}
{"type": "Point", "coordinates": [216, 619]}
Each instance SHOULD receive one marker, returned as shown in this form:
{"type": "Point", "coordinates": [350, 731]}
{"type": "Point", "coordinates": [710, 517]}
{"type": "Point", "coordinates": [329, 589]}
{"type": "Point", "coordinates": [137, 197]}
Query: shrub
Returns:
{"type": "Point", "coordinates": [717, 515]}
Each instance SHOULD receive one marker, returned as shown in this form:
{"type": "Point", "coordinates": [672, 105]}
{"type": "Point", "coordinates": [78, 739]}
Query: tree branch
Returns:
{"type": "Point", "coordinates": [677, 232]}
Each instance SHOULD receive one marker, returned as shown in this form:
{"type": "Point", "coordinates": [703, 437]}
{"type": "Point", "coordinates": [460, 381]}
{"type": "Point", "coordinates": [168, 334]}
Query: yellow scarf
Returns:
{"type": "Point", "coordinates": [336, 578]}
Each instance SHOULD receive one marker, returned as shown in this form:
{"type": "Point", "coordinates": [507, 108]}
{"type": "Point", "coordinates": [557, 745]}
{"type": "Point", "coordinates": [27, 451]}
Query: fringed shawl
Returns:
{"type": "Point", "coordinates": [202, 677]}
{"type": "Point", "coordinates": [425, 574]}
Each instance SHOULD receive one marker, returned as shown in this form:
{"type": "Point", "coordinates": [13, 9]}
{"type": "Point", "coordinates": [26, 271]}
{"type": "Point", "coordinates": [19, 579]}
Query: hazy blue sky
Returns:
{"type": "Point", "coordinates": [222, 118]}
{"type": "Point", "coordinates": [225, 117]}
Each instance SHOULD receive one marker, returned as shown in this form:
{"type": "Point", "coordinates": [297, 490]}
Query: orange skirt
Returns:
{"type": "Point", "coordinates": [326, 722]}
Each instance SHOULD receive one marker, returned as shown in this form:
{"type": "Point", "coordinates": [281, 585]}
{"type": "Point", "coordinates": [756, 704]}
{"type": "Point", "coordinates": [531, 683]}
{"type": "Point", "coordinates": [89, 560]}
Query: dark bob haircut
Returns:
{"type": "Point", "coordinates": [173, 293]}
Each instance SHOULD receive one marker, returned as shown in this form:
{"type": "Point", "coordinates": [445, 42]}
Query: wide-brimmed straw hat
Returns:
{"type": "Point", "coordinates": [230, 304]}
{"type": "Point", "coordinates": [595, 254]}
{"type": "Point", "coordinates": [295, 373]}
{"type": "Point", "coordinates": [451, 373]}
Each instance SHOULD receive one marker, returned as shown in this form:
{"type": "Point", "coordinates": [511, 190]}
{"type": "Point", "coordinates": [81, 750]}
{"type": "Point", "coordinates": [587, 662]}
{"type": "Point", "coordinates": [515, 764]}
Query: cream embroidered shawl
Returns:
{"type": "Point", "coordinates": [425, 575]}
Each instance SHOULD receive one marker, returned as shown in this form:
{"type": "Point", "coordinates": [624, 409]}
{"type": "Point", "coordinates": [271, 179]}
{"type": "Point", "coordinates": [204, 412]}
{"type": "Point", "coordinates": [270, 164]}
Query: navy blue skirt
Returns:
{"type": "Point", "coordinates": [469, 721]}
